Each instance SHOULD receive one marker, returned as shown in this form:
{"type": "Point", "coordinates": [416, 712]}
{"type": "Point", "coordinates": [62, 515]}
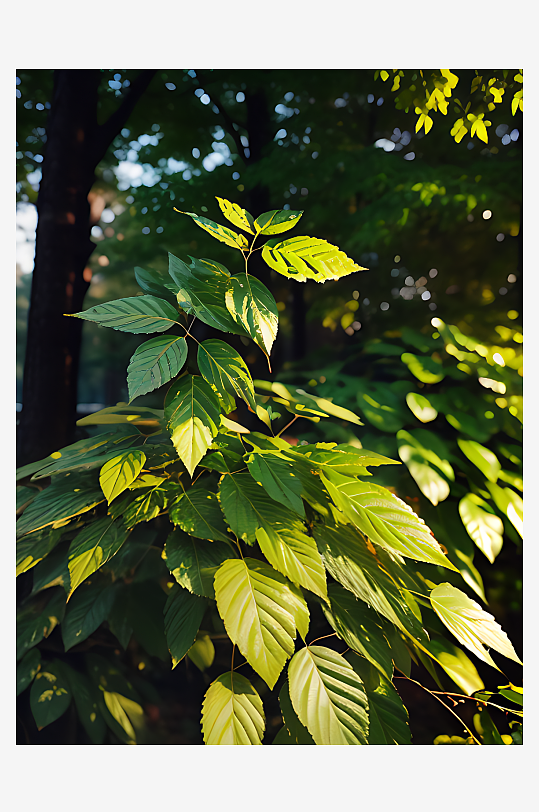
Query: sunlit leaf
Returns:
{"type": "Point", "coordinates": [456, 664]}
{"type": "Point", "coordinates": [275, 222]}
{"type": "Point", "coordinates": [471, 625]}
{"type": "Point", "coordinates": [385, 519]}
{"type": "Point", "coordinates": [65, 498]}
{"type": "Point", "coordinates": [192, 415]}
{"type": "Point", "coordinates": [303, 258]}
{"type": "Point", "coordinates": [261, 611]}
{"type": "Point", "coordinates": [226, 235]}
{"type": "Point", "coordinates": [424, 368]}
{"type": "Point", "coordinates": [482, 525]}
{"type": "Point", "coordinates": [482, 458]}
{"type": "Point", "coordinates": [328, 697]}
{"type": "Point", "coordinates": [278, 479]}
{"type": "Point", "coordinates": [137, 314]}
{"type": "Point", "coordinates": [509, 503]}
{"type": "Point", "coordinates": [293, 731]}
{"type": "Point", "coordinates": [120, 472]}
{"type": "Point", "coordinates": [232, 712]}
{"type": "Point", "coordinates": [155, 363]}
{"type": "Point", "coordinates": [202, 652]}
{"type": "Point", "coordinates": [236, 215]}
{"type": "Point", "coordinates": [421, 407]}
{"type": "Point", "coordinates": [93, 547]}
{"type": "Point", "coordinates": [252, 306]}
{"type": "Point", "coordinates": [418, 452]}
{"type": "Point", "coordinates": [32, 548]}
{"type": "Point", "coordinates": [225, 370]}
{"type": "Point", "coordinates": [279, 532]}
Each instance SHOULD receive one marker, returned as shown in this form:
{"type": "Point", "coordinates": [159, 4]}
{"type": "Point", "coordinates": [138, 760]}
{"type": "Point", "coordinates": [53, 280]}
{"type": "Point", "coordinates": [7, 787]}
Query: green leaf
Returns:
{"type": "Point", "coordinates": [144, 607]}
{"type": "Point", "coordinates": [198, 512]}
{"type": "Point", "coordinates": [303, 258]}
{"type": "Point", "coordinates": [328, 697]}
{"type": "Point", "coordinates": [183, 616]}
{"type": "Point", "coordinates": [471, 625]}
{"type": "Point", "coordinates": [123, 711]}
{"type": "Point", "coordinates": [261, 611]}
{"type": "Point", "coordinates": [155, 363]}
{"type": "Point", "coordinates": [91, 453]}
{"type": "Point", "coordinates": [50, 695]}
{"type": "Point", "coordinates": [418, 452]}
{"type": "Point", "coordinates": [276, 221]}
{"type": "Point", "coordinates": [202, 652]}
{"type": "Point", "coordinates": [385, 519]}
{"type": "Point", "coordinates": [484, 459]}
{"type": "Point", "coordinates": [421, 407]}
{"type": "Point", "coordinates": [232, 712]}
{"type": "Point", "coordinates": [294, 732]}
{"type": "Point", "coordinates": [388, 718]}
{"type": "Point", "coordinates": [203, 285]}
{"type": "Point", "coordinates": [87, 703]}
{"type": "Point", "coordinates": [359, 627]}
{"type": "Point", "coordinates": [38, 618]}
{"type": "Point", "coordinates": [137, 314]}
{"type": "Point", "coordinates": [226, 371]}
{"type": "Point", "coordinates": [486, 728]}
{"type": "Point", "coordinates": [65, 498]}
{"type": "Point", "coordinates": [34, 547]}
{"type": "Point", "coordinates": [93, 547]}
{"type": "Point", "coordinates": [423, 367]}
{"type": "Point", "coordinates": [120, 472]}
{"type": "Point", "coordinates": [135, 415]}
{"type": "Point", "coordinates": [482, 525]}
{"type": "Point", "coordinates": [86, 612]}
{"type": "Point", "coordinates": [53, 571]}
{"type": "Point", "coordinates": [252, 305]}
{"type": "Point", "coordinates": [25, 496]}
{"type": "Point", "coordinates": [280, 534]}
{"type": "Point", "coordinates": [236, 215]}
{"type": "Point", "coordinates": [278, 479]}
{"type": "Point", "coordinates": [509, 503]}
{"type": "Point", "coordinates": [151, 502]}
{"type": "Point", "coordinates": [153, 283]}
{"type": "Point", "coordinates": [348, 559]}
{"type": "Point", "coordinates": [194, 563]}
{"type": "Point", "coordinates": [456, 664]}
{"type": "Point", "coordinates": [343, 459]}
{"type": "Point", "coordinates": [226, 235]}
{"type": "Point", "coordinates": [192, 415]}
{"type": "Point", "coordinates": [27, 669]}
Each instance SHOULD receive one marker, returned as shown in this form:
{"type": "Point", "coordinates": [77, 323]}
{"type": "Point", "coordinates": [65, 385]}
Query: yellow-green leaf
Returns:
{"type": "Point", "coordinates": [261, 611]}
{"type": "Point", "coordinates": [226, 235]}
{"type": "Point", "coordinates": [232, 712]}
{"type": "Point", "coordinates": [328, 697]}
{"type": "Point", "coordinates": [225, 370]}
{"type": "Point", "coordinates": [482, 525]}
{"type": "Point", "coordinates": [192, 415]}
{"type": "Point", "coordinates": [93, 547]}
{"type": "Point", "coordinates": [252, 305]}
{"type": "Point", "coordinates": [276, 222]}
{"type": "Point", "coordinates": [236, 215]}
{"type": "Point", "coordinates": [471, 625]}
{"type": "Point", "coordinates": [120, 472]}
{"type": "Point", "coordinates": [303, 258]}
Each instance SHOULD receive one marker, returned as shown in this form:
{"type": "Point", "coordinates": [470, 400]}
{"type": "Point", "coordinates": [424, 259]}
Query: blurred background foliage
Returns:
{"type": "Point", "coordinates": [426, 346]}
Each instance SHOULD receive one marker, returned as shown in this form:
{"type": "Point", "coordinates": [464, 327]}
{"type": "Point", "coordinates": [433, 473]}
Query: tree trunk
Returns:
{"type": "Point", "coordinates": [75, 145]}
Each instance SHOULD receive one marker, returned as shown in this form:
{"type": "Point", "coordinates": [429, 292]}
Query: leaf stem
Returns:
{"type": "Point", "coordinates": [288, 425]}
{"type": "Point", "coordinates": [433, 693]}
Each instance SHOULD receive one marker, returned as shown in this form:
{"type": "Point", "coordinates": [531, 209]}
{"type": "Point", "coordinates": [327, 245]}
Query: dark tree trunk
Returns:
{"type": "Point", "coordinates": [75, 145]}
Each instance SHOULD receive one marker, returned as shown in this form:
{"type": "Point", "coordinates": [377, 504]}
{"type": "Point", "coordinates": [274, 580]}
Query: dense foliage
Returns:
{"type": "Point", "coordinates": [180, 527]}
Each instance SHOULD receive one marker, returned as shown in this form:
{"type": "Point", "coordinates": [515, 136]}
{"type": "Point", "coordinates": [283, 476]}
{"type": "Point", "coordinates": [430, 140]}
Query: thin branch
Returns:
{"type": "Point", "coordinates": [288, 425]}
{"type": "Point", "coordinates": [110, 129]}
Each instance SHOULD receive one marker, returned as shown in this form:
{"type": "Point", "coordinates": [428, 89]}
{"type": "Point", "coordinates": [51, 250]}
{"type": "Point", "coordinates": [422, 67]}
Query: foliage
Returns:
{"type": "Point", "coordinates": [432, 91]}
{"type": "Point", "coordinates": [250, 531]}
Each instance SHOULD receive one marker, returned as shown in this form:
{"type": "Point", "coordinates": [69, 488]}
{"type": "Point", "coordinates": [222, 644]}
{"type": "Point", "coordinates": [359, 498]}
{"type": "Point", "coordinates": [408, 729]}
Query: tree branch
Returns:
{"type": "Point", "coordinates": [110, 129]}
